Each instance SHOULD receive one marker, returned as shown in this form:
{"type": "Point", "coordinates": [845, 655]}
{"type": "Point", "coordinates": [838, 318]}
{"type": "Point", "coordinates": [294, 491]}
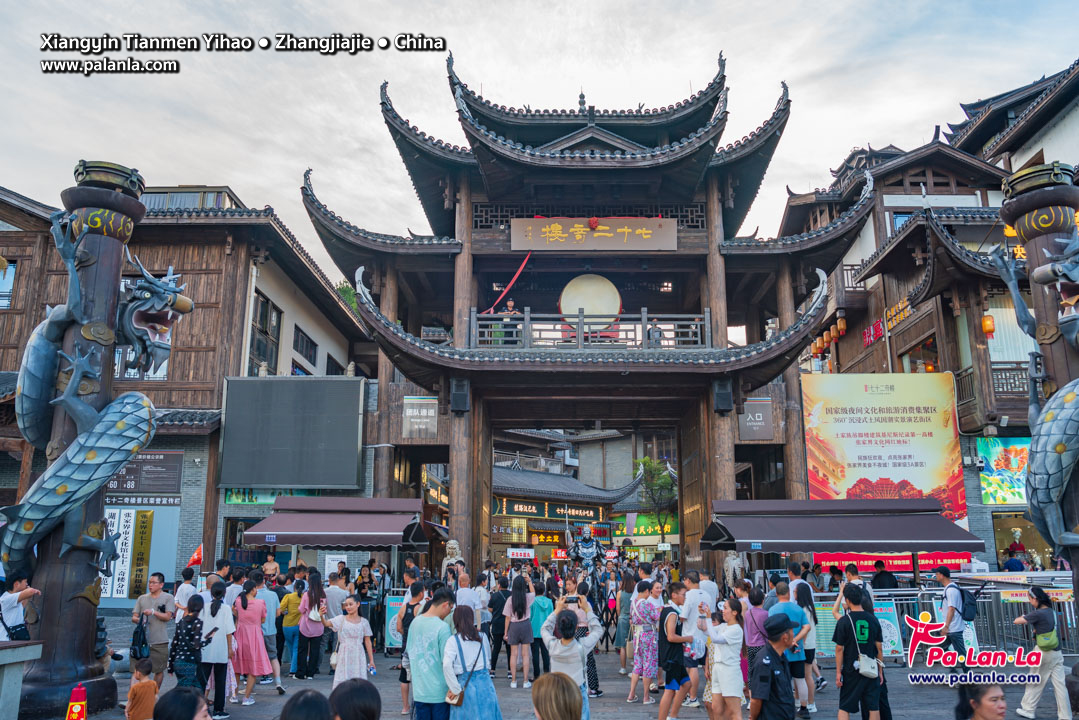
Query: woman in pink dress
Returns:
{"type": "Point", "coordinates": [355, 656]}
{"type": "Point", "coordinates": [250, 657]}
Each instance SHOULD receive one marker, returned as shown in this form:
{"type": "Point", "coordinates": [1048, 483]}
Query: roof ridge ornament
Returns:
{"type": "Point", "coordinates": [361, 288]}
{"type": "Point", "coordinates": [868, 186]}
{"type": "Point", "coordinates": [786, 96]}
{"type": "Point", "coordinates": [722, 64]}
{"type": "Point", "coordinates": [462, 107]}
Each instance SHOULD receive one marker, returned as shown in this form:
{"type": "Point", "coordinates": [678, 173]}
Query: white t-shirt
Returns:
{"type": "Point", "coordinates": [232, 592]}
{"type": "Point", "coordinates": [13, 612]}
{"type": "Point", "coordinates": [218, 650]}
{"type": "Point", "coordinates": [799, 581]}
{"type": "Point", "coordinates": [952, 598]}
{"type": "Point", "coordinates": [810, 640]}
{"type": "Point", "coordinates": [184, 591]}
{"type": "Point", "coordinates": [690, 611]}
{"type": "Point", "coordinates": [468, 597]}
{"type": "Point", "coordinates": [712, 589]}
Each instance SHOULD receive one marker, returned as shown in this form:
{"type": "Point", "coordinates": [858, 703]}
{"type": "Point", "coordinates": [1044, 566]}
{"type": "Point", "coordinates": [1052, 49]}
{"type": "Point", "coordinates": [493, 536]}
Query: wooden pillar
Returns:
{"type": "Point", "coordinates": [384, 454]}
{"type": "Point", "coordinates": [463, 525]}
{"type": "Point", "coordinates": [211, 504]}
{"type": "Point", "coordinates": [719, 476]}
{"type": "Point", "coordinates": [26, 465]}
{"type": "Point", "coordinates": [795, 476]}
{"type": "Point", "coordinates": [481, 476]}
{"type": "Point", "coordinates": [753, 324]}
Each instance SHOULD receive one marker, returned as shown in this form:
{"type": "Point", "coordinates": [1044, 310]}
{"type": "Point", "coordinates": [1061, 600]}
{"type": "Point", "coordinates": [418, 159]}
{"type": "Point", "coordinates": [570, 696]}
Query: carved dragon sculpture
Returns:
{"type": "Point", "coordinates": [107, 439]}
{"type": "Point", "coordinates": [1054, 444]}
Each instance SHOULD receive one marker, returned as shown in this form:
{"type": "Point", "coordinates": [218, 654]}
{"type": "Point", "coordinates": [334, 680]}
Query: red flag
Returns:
{"type": "Point", "coordinates": [196, 557]}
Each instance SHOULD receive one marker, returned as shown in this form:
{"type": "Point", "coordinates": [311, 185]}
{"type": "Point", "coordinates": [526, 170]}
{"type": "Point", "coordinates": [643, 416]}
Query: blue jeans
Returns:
{"type": "Point", "coordinates": [585, 714]}
{"type": "Point", "coordinates": [431, 711]}
{"type": "Point", "coordinates": [292, 640]}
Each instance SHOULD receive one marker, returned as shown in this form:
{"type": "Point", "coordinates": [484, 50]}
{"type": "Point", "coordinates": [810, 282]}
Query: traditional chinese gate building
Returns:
{"type": "Point", "coordinates": [648, 199]}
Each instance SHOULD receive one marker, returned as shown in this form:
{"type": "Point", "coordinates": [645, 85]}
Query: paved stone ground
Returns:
{"type": "Point", "coordinates": [907, 702]}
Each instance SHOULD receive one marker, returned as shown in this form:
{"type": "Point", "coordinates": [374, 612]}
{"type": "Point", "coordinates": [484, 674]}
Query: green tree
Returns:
{"type": "Point", "coordinates": [659, 492]}
{"type": "Point", "coordinates": [347, 292]}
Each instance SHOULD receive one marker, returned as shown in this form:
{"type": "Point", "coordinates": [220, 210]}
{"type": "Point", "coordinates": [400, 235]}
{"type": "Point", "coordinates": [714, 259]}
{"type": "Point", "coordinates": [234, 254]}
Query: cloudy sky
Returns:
{"type": "Point", "coordinates": [858, 72]}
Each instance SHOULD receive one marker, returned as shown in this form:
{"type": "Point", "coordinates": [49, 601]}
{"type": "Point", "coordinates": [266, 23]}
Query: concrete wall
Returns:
{"type": "Point", "coordinates": [1058, 140]}
{"type": "Point", "coordinates": [298, 309]}
{"type": "Point", "coordinates": [618, 465]}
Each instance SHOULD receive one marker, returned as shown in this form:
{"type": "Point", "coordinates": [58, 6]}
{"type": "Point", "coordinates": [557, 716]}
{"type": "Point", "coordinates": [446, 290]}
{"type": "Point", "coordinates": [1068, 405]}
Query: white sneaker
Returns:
{"type": "Point", "coordinates": [527, 685]}
{"type": "Point", "coordinates": [691, 703]}
{"type": "Point", "coordinates": [1024, 714]}
{"type": "Point", "coordinates": [622, 671]}
{"type": "Point", "coordinates": [248, 701]}
{"type": "Point", "coordinates": [513, 684]}
{"type": "Point", "coordinates": [812, 707]}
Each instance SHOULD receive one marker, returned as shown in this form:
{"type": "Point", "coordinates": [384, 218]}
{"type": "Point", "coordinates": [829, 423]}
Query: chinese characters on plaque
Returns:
{"type": "Point", "coordinates": [419, 418]}
{"type": "Point", "coordinates": [590, 234]}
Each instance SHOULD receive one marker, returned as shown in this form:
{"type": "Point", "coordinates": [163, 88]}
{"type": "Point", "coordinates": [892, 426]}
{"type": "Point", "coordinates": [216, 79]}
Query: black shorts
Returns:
{"type": "Point", "coordinates": [675, 675]}
{"type": "Point", "coordinates": [798, 669]}
{"type": "Point", "coordinates": [810, 656]}
{"type": "Point", "coordinates": [859, 691]}
{"type": "Point", "coordinates": [692, 662]}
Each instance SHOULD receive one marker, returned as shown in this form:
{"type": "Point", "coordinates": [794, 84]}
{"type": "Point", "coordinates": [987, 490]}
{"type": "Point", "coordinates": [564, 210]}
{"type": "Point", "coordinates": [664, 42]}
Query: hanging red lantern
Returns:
{"type": "Point", "coordinates": [989, 326]}
{"type": "Point", "coordinates": [841, 323]}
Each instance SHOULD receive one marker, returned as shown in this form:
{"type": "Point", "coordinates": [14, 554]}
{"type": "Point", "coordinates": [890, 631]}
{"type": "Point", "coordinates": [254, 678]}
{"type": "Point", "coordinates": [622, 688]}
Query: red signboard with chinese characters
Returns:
{"type": "Point", "coordinates": [893, 562]}
{"type": "Point", "coordinates": [873, 333]}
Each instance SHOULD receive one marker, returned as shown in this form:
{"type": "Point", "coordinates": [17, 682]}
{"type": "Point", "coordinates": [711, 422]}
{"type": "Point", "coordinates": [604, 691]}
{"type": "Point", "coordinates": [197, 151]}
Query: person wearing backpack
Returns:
{"type": "Point", "coordinates": [1043, 624]}
{"type": "Point", "coordinates": [954, 624]}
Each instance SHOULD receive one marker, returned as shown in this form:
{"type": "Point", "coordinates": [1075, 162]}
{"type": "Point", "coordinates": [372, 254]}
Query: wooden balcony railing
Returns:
{"type": "Point", "coordinates": [1010, 378]}
{"type": "Point", "coordinates": [636, 331]}
{"type": "Point", "coordinates": [850, 285]}
{"type": "Point", "coordinates": [964, 386]}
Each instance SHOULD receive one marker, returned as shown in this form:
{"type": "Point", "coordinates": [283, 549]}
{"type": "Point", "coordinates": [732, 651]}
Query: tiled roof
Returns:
{"type": "Point", "coordinates": [1068, 75]}
{"type": "Point", "coordinates": [8, 380]}
{"type": "Point", "coordinates": [552, 486]}
{"type": "Point", "coordinates": [177, 416]}
{"type": "Point", "coordinates": [749, 142]}
{"type": "Point", "coordinates": [367, 238]}
{"type": "Point", "coordinates": [980, 110]}
{"type": "Point", "coordinates": [553, 435]}
{"type": "Point", "coordinates": [445, 150]}
{"type": "Point", "coordinates": [27, 205]}
{"type": "Point", "coordinates": [709, 92]}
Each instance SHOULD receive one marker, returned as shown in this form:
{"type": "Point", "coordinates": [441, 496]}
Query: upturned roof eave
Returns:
{"type": "Point", "coordinates": [702, 103]}
{"type": "Point", "coordinates": [1048, 103]}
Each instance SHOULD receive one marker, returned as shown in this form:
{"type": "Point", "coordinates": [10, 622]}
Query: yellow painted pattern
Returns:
{"type": "Point", "coordinates": [61, 490]}
{"type": "Point", "coordinates": [91, 454]}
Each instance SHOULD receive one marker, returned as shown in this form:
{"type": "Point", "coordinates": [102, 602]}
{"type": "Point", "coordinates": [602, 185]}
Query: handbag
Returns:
{"type": "Point", "coordinates": [333, 660]}
{"type": "Point", "coordinates": [1047, 640]}
{"type": "Point", "coordinates": [867, 666]}
{"type": "Point", "coordinates": [457, 699]}
{"type": "Point", "coordinates": [21, 632]}
{"type": "Point", "coordinates": [140, 645]}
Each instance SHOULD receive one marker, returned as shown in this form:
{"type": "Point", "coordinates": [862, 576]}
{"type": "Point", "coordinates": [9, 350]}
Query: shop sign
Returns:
{"type": "Point", "coordinates": [573, 512]}
{"type": "Point", "coordinates": [122, 522]}
{"type": "Point", "coordinates": [419, 418]}
{"type": "Point", "coordinates": [1062, 595]}
{"type": "Point", "coordinates": [644, 525]}
{"type": "Point", "coordinates": [160, 500]}
{"type": "Point", "coordinates": [540, 510]}
{"type": "Point", "coordinates": [897, 313]}
{"type": "Point", "coordinates": [873, 333]}
{"type": "Point", "coordinates": [149, 472]}
{"type": "Point", "coordinates": [560, 554]}
{"type": "Point", "coordinates": [896, 435]}
{"type": "Point", "coordinates": [663, 547]}
{"type": "Point", "coordinates": [546, 538]}
{"type": "Point", "coordinates": [262, 496]}
{"type": "Point", "coordinates": [1003, 474]}
{"type": "Point", "coordinates": [591, 234]}
{"type": "Point", "coordinates": [520, 553]}
{"type": "Point", "coordinates": [611, 554]}
{"type": "Point", "coordinates": [508, 530]}
{"type": "Point", "coordinates": [756, 422]}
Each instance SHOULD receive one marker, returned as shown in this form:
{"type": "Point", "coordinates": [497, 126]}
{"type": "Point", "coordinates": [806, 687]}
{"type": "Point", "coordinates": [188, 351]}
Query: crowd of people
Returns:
{"type": "Point", "coordinates": [684, 641]}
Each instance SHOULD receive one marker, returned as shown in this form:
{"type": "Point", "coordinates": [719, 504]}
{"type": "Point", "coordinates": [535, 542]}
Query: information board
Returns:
{"type": "Point", "coordinates": [887, 616]}
{"type": "Point", "coordinates": [393, 606]}
{"type": "Point", "coordinates": [149, 472]}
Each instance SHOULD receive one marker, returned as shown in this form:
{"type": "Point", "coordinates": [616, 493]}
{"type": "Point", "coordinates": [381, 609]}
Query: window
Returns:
{"type": "Point", "coordinates": [299, 370]}
{"type": "Point", "coordinates": [333, 367]}
{"type": "Point", "coordinates": [303, 344]}
{"type": "Point", "coordinates": [7, 284]}
{"type": "Point", "coordinates": [265, 334]}
{"type": "Point", "coordinates": [184, 200]}
{"type": "Point", "coordinates": [122, 372]}
{"type": "Point", "coordinates": [155, 201]}
{"type": "Point", "coordinates": [666, 286]}
{"type": "Point", "coordinates": [898, 218]}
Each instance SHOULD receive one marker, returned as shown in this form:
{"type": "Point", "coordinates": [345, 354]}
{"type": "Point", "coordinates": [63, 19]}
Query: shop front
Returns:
{"type": "Point", "coordinates": [547, 528]}
{"type": "Point", "coordinates": [644, 537]}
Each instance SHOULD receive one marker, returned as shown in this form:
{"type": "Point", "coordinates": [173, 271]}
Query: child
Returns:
{"type": "Point", "coordinates": [143, 692]}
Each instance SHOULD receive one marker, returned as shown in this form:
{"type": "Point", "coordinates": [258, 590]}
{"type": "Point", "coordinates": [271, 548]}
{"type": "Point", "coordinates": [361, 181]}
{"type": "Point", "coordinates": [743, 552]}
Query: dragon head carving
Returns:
{"type": "Point", "coordinates": [1062, 272]}
{"type": "Point", "coordinates": [149, 309]}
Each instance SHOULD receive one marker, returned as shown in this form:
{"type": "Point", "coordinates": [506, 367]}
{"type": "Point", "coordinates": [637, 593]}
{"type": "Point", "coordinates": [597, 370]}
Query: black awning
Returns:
{"type": "Point", "coordinates": [835, 526]}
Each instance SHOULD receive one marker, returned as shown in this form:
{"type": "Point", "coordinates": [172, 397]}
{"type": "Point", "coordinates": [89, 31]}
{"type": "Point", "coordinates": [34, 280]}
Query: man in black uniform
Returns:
{"type": "Point", "coordinates": [770, 678]}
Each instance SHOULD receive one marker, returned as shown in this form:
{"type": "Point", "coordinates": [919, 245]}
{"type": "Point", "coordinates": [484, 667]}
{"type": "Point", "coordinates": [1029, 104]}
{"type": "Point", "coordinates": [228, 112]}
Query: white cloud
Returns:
{"type": "Point", "coordinates": [858, 73]}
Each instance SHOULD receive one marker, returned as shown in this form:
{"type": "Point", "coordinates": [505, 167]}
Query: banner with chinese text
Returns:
{"type": "Point", "coordinates": [645, 525]}
{"type": "Point", "coordinates": [1004, 470]}
{"type": "Point", "coordinates": [884, 436]}
{"type": "Point", "coordinates": [893, 562]}
{"type": "Point", "coordinates": [590, 234]}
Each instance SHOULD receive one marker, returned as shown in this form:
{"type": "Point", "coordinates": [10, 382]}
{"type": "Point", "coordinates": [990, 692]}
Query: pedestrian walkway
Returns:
{"type": "Point", "coordinates": [908, 703]}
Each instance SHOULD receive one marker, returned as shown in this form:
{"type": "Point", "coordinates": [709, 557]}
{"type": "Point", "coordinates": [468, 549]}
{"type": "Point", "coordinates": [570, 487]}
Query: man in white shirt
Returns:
{"type": "Point", "coordinates": [690, 611]}
{"type": "Point", "coordinates": [233, 591]}
{"type": "Point", "coordinates": [336, 592]}
{"type": "Point", "coordinates": [12, 601]}
{"type": "Point", "coordinates": [794, 578]}
{"type": "Point", "coordinates": [468, 597]}
{"type": "Point", "coordinates": [708, 584]}
{"type": "Point", "coordinates": [184, 591]}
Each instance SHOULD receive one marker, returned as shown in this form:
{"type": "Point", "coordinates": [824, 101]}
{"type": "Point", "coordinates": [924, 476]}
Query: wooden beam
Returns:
{"type": "Point", "coordinates": [26, 465]}
{"type": "Point", "coordinates": [795, 476]}
{"type": "Point", "coordinates": [763, 289]}
{"type": "Point", "coordinates": [463, 294]}
{"type": "Point", "coordinates": [425, 283]}
{"type": "Point", "coordinates": [383, 474]}
{"type": "Point", "coordinates": [210, 505]}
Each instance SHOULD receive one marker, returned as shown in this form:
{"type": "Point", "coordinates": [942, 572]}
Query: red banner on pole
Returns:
{"type": "Point", "coordinates": [894, 562]}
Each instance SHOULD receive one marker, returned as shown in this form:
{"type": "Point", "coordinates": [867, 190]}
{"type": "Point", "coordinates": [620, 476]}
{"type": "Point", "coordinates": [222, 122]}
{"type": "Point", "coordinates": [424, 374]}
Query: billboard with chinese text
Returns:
{"type": "Point", "coordinates": [895, 435]}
